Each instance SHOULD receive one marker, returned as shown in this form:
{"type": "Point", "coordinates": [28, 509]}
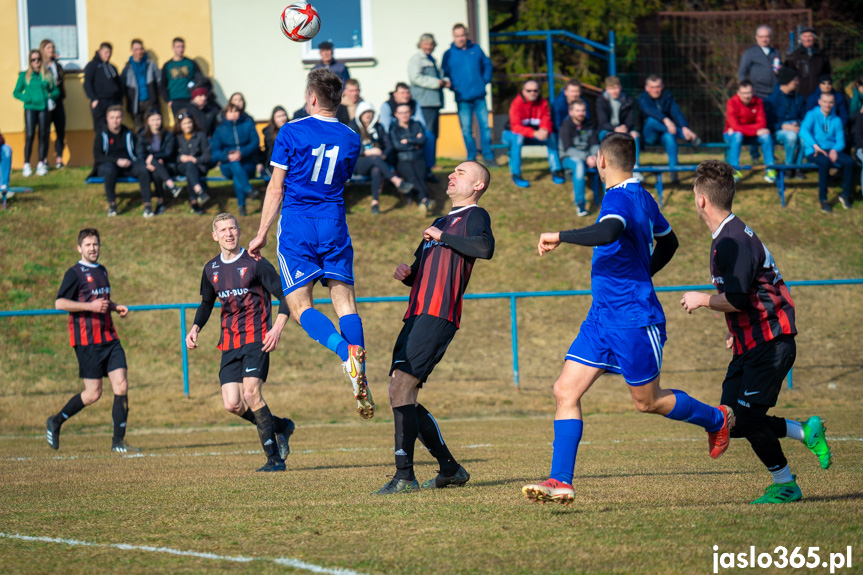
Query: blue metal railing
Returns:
{"type": "Point", "coordinates": [511, 296]}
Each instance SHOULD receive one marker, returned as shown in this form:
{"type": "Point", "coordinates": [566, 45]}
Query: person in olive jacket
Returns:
{"type": "Point", "coordinates": [36, 88]}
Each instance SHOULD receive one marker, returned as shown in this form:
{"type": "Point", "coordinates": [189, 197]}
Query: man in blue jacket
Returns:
{"type": "Point", "coordinates": [235, 144]}
{"type": "Point", "coordinates": [469, 72]}
{"type": "Point", "coordinates": [663, 119]}
{"type": "Point", "coordinates": [823, 140]}
{"type": "Point", "coordinates": [825, 85]}
{"type": "Point", "coordinates": [785, 110]}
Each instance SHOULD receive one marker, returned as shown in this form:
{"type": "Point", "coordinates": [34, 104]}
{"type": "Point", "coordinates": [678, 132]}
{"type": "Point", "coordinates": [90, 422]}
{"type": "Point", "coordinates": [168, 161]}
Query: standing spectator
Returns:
{"type": "Point", "coordinates": [375, 151]}
{"type": "Point", "coordinates": [409, 137]}
{"type": "Point", "coordinates": [102, 85]}
{"type": "Point", "coordinates": [50, 59]}
{"type": "Point", "coordinates": [570, 92]}
{"type": "Point", "coordinates": [809, 61]}
{"type": "Point", "coordinates": [207, 114]}
{"type": "Point", "coordinates": [36, 88]}
{"type": "Point", "coordinates": [824, 139]}
{"type": "Point", "coordinates": [114, 157]}
{"type": "Point", "coordinates": [179, 77]}
{"type": "Point", "coordinates": [351, 97]}
{"type": "Point", "coordinates": [855, 110]}
{"type": "Point", "coordinates": [578, 146]}
{"type": "Point", "coordinates": [760, 63]}
{"type": "Point", "coordinates": [157, 150]}
{"type": "Point", "coordinates": [193, 158]}
{"type": "Point", "coordinates": [785, 110]}
{"type": "Point", "coordinates": [141, 79]}
{"type": "Point", "coordinates": [615, 112]}
{"type": "Point", "coordinates": [427, 82]}
{"type": "Point", "coordinates": [745, 121]}
{"type": "Point", "coordinates": [278, 118]}
{"type": "Point", "coordinates": [5, 168]}
{"type": "Point", "coordinates": [663, 120]}
{"type": "Point", "coordinates": [468, 70]}
{"type": "Point", "coordinates": [236, 147]}
{"type": "Point", "coordinates": [530, 123]}
{"type": "Point", "coordinates": [825, 86]}
{"type": "Point", "coordinates": [325, 48]}
{"type": "Point", "coordinates": [402, 95]}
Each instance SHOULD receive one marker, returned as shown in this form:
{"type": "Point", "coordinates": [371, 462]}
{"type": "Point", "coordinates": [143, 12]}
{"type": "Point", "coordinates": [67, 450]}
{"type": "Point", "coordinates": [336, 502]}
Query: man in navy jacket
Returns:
{"type": "Point", "coordinates": [663, 119]}
{"type": "Point", "coordinates": [236, 145]}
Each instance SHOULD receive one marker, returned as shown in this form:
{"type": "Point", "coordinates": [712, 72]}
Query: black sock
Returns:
{"type": "Point", "coordinates": [777, 426]}
{"type": "Point", "coordinates": [280, 424]}
{"type": "Point", "coordinates": [755, 426]}
{"type": "Point", "coordinates": [119, 413]}
{"type": "Point", "coordinates": [264, 421]}
{"type": "Point", "coordinates": [249, 416]}
{"type": "Point", "coordinates": [433, 440]}
{"type": "Point", "coordinates": [407, 429]}
{"type": "Point", "coordinates": [72, 407]}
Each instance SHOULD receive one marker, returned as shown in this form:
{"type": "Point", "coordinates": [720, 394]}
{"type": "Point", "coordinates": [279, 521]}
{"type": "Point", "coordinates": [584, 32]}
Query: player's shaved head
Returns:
{"type": "Point", "coordinates": [715, 181]}
{"type": "Point", "coordinates": [619, 151]}
{"type": "Point", "coordinates": [482, 174]}
{"type": "Point", "coordinates": [88, 233]}
{"type": "Point", "coordinates": [327, 87]}
{"type": "Point", "coordinates": [225, 216]}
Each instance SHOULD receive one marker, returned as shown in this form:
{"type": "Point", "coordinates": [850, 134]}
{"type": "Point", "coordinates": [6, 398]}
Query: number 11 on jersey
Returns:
{"type": "Point", "coordinates": [332, 155]}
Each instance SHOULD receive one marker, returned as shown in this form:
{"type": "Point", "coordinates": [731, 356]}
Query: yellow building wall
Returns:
{"type": "Point", "coordinates": [156, 22]}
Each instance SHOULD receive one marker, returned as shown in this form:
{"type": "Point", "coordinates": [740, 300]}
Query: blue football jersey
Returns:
{"type": "Point", "coordinates": [622, 289]}
{"type": "Point", "coordinates": [319, 155]}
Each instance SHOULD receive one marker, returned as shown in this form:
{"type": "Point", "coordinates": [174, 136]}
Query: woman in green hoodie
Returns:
{"type": "Point", "coordinates": [36, 88]}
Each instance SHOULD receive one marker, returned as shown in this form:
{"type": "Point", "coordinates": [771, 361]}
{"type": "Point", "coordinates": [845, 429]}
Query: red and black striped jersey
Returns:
{"type": "Point", "coordinates": [741, 265]}
{"type": "Point", "coordinates": [441, 271]}
{"type": "Point", "coordinates": [86, 282]}
{"type": "Point", "coordinates": [245, 288]}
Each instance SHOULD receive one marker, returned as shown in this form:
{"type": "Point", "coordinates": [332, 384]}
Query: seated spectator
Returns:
{"type": "Point", "coordinates": [102, 85]}
{"type": "Point", "coordinates": [825, 85]}
{"type": "Point", "coordinates": [5, 167]}
{"type": "Point", "coordinates": [351, 98]}
{"type": "Point", "coordinates": [530, 123]}
{"type": "Point", "coordinates": [179, 76]}
{"type": "Point", "coordinates": [785, 110]}
{"type": "Point", "coordinates": [157, 150]}
{"type": "Point", "coordinates": [746, 122]}
{"type": "Point", "coordinates": [278, 118]}
{"type": "Point", "coordinates": [236, 147]}
{"type": "Point", "coordinates": [193, 158]}
{"type": "Point", "coordinates": [239, 101]}
{"type": "Point", "coordinates": [402, 95]}
{"type": "Point", "coordinates": [578, 146]}
{"type": "Point", "coordinates": [858, 137]}
{"type": "Point", "coordinates": [570, 93]}
{"type": "Point", "coordinates": [375, 151]}
{"type": "Point", "coordinates": [114, 157]}
{"type": "Point", "coordinates": [663, 120]}
{"type": "Point", "coordinates": [615, 112]}
{"type": "Point", "coordinates": [408, 137]}
{"type": "Point", "coordinates": [824, 139]}
{"type": "Point", "coordinates": [325, 49]}
{"type": "Point", "coordinates": [36, 89]}
{"type": "Point", "coordinates": [207, 115]}
{"type": "Point", "coordinates": [140, 78]}
{"type": "Point", "coordinates": [856, 109]}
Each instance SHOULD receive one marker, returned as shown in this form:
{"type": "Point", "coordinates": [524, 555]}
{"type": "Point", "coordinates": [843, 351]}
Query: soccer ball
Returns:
{"type": "Point", "coordinates": [300, 22]}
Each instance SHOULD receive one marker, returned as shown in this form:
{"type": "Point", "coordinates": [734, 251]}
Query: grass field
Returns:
{"type": "Point", "coordinates": [649, 500]}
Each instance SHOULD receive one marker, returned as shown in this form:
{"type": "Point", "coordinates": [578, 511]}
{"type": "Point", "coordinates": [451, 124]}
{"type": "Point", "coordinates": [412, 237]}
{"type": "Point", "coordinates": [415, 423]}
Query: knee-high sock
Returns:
{"type": "Point", "coordinates": [351, 327]}
{"type": "Point", "coordinates": [120, 413]}
{"type": "Point", "coordinates": [249, 416]}
{"type": "Point", "coordinates": [264, 422]}
{"type": "Point", "coordinates": [567, 436]}
{"type": "Point", "coordinates": [407, 430]}
{"type": "Point", "coordinates": [279, 424]}
{"type": "Point", "coordinates": [430, 436]}
{"type": "Point", "coordinates": [73, 406]}
{"type": "Point", "coordinates": [693, 411]}
{"type": "Point", "coordinates": [322, 330]}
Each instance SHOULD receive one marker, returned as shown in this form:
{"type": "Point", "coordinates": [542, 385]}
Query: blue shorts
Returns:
{"type": "Point", "coordinates": [635, 353]}
{"type": "Point", "coordinates": [312, 249]}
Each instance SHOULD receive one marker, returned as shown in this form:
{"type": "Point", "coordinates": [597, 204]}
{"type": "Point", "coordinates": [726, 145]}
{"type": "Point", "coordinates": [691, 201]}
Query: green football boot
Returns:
{"type": "Point", "coordinates": [813, 436]}
{"type": "Point", "coordinates": [781, 493]}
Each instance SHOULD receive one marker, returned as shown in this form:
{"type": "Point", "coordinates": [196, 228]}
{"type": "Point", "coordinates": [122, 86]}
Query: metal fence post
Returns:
{"type": "Point", "coordinates": [514, 331]}
{"type": "Point", "coordinates": [184, 350]}
{"type": "Point", "coordinates": [612, 65]}
{"type": "Point", "coordinates": [549, 54]}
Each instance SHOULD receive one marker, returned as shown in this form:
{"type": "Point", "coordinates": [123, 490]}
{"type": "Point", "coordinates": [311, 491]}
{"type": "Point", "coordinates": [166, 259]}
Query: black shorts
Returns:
{"type": "Point", "coordinates": [755, 376]}
{"type": "Point", "coordinates": [248, 361]}
{"type": "Point", "coordinates": [421, 345]}
{"type": "Point", "coordinates": [98, 360]}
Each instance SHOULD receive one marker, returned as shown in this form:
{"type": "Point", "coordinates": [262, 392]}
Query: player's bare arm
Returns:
{"type": "Point", "coordinates": [95, 306]}
{"type": "Point", "coordinates": [548, 241]}
{"type": "Point", "coordinates": [269, 211]}
{"type": "Point", "coordinates": [192, 337]}
{"type": "Point", "coordinates": [692, 300]}
{"type": "Point", "coordinates": [271, 340]}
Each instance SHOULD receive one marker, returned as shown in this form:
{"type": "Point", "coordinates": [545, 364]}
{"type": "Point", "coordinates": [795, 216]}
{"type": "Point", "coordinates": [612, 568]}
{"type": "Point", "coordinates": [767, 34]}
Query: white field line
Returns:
{"type": "Point", "coordinates": [286, 561]}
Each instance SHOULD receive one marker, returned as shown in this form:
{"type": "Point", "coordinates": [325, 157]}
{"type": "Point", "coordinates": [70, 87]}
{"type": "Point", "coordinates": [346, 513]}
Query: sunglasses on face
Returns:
{"type": "Point", "coordinates": [531, 91]}
{"type": "Point", "coordinates": [35, 59]}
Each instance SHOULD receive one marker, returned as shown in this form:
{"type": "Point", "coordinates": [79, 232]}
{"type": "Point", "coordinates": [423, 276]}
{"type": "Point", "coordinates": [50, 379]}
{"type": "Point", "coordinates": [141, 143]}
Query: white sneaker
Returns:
{"type": "Point", "coordinates": [355, 369]}
{"type": "Point", "coordinates": [27, 171]}
{"type": "Point", "coordinates": [41, 169]}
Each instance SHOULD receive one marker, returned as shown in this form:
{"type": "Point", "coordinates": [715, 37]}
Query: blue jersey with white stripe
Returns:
{"type": "Point", "coordinates": [319, 154]}
{"type": "Point", "coordinates": [622, 289]}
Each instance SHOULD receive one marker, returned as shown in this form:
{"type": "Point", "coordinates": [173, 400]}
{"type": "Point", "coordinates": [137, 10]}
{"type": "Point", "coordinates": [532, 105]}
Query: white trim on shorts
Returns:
{"type": "Point", "coordinates": [591, 363]}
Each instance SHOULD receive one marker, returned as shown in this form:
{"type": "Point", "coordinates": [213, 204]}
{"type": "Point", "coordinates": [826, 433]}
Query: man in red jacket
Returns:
{"type": "Point", "coordinates": [530, 123]}
{"type": "Point", "coordinates": [746, 123]}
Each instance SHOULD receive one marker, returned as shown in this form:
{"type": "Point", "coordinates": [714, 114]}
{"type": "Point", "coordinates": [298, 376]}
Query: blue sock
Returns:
{"type": "Point", "coordinates": [567, 435]}
{"type": "Point", "coordinates": [352, 329]}
{"type": "Point", "coordinates": [695, 412]}
{"type": "Point", "coordinates": [322, 330]}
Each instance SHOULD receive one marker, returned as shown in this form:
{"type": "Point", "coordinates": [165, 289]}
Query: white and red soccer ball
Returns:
{"type": "Point", "coordinates": [300, 22]}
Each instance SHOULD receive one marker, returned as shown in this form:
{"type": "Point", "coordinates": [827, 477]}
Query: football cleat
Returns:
{"type": "Point", "coordinates": [272, 465]}
{"type": "Point", "coordinates": [549, 490]}
{"type": "Point", "coordinates": [718, 440]}
{"type": "Point", "coordinates": [123, 447]}
{"type": "Point", "coordinates": [53, 435]}
{"type": "Point", "coordinates": [440, 481]}
{"type": "Point", "coordinates": [813, 436]}
{"type": "Point", "coordinates": [781, 493]}
{"type": "Point", "coordinates": [398, 486]}
{"type": "Point", "coordinates": [282, 439]}
{"type": "Point", "coordinates": [355, 369]}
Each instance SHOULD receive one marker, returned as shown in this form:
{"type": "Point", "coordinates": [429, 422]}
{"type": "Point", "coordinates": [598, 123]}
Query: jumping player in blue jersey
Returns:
{"type": "Point", "coordinates": [312, 159]}
{"type": "Point", "coordinates": [625, 328]}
